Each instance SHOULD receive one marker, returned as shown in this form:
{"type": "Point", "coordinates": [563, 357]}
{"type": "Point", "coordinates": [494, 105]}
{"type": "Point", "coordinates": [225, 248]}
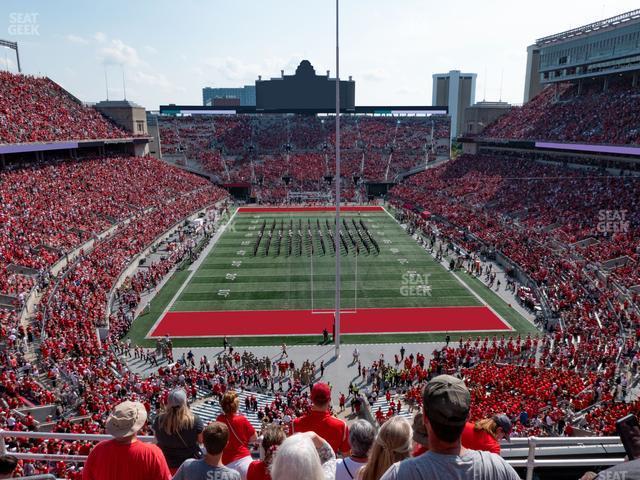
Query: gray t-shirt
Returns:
{"type": "Point", "coordinates": [199, 470]}
{"type": "Point", "coordinates": [623, 471]}
{"type": "Point", "coordinates": [179, 447]}
{"type": "Point", "coordinates": [473, 465]}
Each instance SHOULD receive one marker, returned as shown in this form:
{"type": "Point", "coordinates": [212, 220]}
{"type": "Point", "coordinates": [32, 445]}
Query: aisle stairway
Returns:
{"type": "Point", "coordinates": [210, 409]}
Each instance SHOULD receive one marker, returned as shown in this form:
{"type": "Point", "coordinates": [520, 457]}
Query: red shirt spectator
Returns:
{"type": "Point", "coordinates": [320, 420]}
{"type": "Point", "coordinates": [125, 457]}
{"type": "Point", "coordinates": [479, 439]}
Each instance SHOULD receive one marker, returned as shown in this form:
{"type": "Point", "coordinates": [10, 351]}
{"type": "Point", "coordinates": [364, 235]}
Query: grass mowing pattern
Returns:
{"type": "Point", "coordinates": [144, 323]}
{"type": "Point", "coordinates": [296, 273]}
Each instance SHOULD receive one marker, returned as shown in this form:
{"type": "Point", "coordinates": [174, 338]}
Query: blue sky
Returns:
{"type": "Point", "coordinates": [169, 50]}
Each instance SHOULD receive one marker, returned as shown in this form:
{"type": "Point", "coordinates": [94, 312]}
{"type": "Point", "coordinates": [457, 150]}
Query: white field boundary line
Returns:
{"type": "Point", "coordinates": [203, 255]}
{"type": "Point", "coordinates": [453, 307]}
{"type": "Point", "coordinates": [463, 283]}
{"type": "Point", "coordinates": [267, 335]}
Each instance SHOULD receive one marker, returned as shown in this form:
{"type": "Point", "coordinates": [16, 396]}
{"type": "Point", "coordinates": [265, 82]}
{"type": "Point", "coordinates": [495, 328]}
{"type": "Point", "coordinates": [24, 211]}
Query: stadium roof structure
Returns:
{"type": "Point", "coordinates": [172, 109]}
{"type": "Point", "coordinates": [590, 28]}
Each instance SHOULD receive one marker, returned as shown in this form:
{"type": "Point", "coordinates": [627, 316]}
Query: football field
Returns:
{"type": "Point", "coordinates": [272, 273]}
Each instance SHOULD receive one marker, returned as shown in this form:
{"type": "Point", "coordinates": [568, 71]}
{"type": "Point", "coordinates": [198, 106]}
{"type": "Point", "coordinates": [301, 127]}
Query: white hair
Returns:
{"type": "Point", "coordinates": [297, 458]}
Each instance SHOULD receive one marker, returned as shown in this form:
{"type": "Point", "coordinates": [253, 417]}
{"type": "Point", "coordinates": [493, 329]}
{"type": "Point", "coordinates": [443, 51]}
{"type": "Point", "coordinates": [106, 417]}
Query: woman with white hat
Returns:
{"type": "Point", "coordinates": [178, 431]}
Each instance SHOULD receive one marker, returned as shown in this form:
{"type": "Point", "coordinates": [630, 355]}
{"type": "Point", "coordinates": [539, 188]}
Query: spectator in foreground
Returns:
{"type": "Point", "coordinates": [446, 402]}
{"type": "Point", "coordinates": [236, 454]}
{"type": "Point", "coordinates": [178, 431]}
{"type": "Point", "coordinates": [420, 438]}
{"type": "Point", "coordinates": [392, 444]}
{"type": "Point", "coordinates": [626, 470]}
{"type": "Point", "coordinates": [215, 437]}
{"type": "Point", "coordinates": [272, 437]}
{"type": "Point", "coordinates": [486, 434]}
{"type": "Point", "coordinates": [320, 420]}
{"type": "Point", "coordinates": [8, 464]}
{"type": "Point", "coordinates": [125, 457]}
{"type": "Point", "coordinates": [361, 437]}
{"type": "Point", "coordinates": [304, 456]}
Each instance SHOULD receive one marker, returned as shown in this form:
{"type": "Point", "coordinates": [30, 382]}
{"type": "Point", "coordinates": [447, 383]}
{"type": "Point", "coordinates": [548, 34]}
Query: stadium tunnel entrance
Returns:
{"type": "Point", "coordinates": [239, 191]}
{"type": "Point", "coordinates": [378, 189]}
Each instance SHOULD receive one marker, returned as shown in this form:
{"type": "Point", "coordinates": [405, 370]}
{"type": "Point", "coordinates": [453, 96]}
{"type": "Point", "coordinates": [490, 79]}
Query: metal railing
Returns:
{"type": "Point", "coordinates": [526, 454]}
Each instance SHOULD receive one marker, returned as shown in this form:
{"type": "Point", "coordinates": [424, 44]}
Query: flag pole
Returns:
{"type": "Point", "coordinates": [337, 237]}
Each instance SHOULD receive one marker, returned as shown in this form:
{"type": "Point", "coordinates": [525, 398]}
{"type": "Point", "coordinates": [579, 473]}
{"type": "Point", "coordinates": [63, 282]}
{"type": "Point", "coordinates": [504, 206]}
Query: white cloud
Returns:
{"type": "Point", "coordinates": [158, 80]}
{"type": "Point", "coordinates": [234, 70]}
{"type": "Point", "coordinates": [119, 53]}
{"type": "Point", "coordinates": [376, 75]}
{"type": "Point", "coordinates": [76, 39]}
{"type": "Point", "coordinates": [150, 49]}
{"type": "Point", "coordinates": [100, 37]}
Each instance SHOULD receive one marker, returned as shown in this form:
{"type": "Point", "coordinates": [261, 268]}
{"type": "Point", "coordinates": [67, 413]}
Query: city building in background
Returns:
{"type": "Point", "coordinates": [481, 114]}
{"type": "Point", "coordinates": [457, 91]}
{"type": "Point", "coordinates": [239, 96]}
{"type": "Point", "coordinates": [600, 48]}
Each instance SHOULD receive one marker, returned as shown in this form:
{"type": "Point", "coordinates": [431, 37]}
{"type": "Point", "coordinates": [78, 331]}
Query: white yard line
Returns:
{"type": "Point", "coordinates": [193, 269]}
{"type": "Point", "coordinates": [462, 282]}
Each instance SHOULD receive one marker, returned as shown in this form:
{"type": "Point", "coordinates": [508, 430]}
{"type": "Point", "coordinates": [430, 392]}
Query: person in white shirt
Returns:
{"type": "Point", "coordinates": [361, 437]}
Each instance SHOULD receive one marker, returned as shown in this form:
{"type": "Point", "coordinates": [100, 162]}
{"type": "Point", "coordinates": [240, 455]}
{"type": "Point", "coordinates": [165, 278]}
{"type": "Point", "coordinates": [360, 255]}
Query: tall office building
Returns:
{"type": "Point", "coordinates": [457, 91]}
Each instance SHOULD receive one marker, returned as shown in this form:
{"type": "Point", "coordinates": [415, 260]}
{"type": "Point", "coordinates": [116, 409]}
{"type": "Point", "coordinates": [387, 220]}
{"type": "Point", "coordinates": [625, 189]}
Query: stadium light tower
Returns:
{"type": "Point", "coordinates": [336, 337]}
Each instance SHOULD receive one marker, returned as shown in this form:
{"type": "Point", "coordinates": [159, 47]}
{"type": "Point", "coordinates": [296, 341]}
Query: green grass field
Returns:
{"type": "Point", "coordinates": [298, 273]}
{"type": "Point", "coordinates": [291, 277]}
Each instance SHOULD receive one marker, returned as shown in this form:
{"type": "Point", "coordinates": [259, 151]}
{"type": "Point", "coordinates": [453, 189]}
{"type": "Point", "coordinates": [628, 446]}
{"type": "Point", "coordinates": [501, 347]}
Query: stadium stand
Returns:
{"type": "Point", "coordinates": [592, 113]}
{"type": "Point", "coordinates": [70, 229]}
{"type": "Point", "coordinates": [38, 110]}
{"type": "Point", "coordinates": [277, 155]}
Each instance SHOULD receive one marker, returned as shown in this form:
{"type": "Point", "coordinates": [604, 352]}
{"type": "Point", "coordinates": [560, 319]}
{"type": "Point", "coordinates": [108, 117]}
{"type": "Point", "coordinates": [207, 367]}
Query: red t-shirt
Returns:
{"type": "Point", "coordinates": [258, 470]}
{"type": "Point", "coordinates": [112, 460]}
{"type": "Point", "coordinates": [332, 429]}
{"type": "Point", "coordinates": [479, 440]}
{"type": "Point", "coordinates": [419, 450]}
{"type": "Point", "coordinates": [240, 431]}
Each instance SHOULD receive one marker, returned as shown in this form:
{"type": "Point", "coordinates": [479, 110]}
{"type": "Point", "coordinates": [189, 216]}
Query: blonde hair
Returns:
{"type": "Point", "coordinates": [230, 402]}
{"type": "Point", "coordinates": [487, 425]}
{"type": "Point", "coordinates": [272, 437]}
{"type": "Point", "coordinates": [392, 444]}
{"type": "Point", "coordinates": [174, 419]}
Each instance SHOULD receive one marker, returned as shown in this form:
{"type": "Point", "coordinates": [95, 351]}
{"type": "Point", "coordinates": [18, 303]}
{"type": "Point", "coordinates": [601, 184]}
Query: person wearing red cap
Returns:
{"type": "Point", "coordinates": [320, 420]}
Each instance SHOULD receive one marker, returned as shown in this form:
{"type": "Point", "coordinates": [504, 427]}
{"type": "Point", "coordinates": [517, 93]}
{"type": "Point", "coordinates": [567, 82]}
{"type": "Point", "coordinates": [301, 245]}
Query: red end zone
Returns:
{"type": "Point", "coordinates": [346, 208]}
{"type": "Point", "coordinates": [305, 322]}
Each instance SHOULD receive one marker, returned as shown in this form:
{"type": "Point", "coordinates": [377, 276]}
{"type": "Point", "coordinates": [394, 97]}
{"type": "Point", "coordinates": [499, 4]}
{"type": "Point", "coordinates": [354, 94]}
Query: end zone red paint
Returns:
{"type": "Point", "coordinates": [346, 208]}
{"type": "Point", "coordinates": [304, 322]}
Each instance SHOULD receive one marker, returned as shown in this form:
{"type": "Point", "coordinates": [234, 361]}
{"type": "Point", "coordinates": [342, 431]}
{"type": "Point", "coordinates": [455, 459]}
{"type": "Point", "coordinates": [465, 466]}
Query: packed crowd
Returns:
{"type": "Point", "coordinates": [534, 214]}
{"type": "Point", "coordinates": [67, 204]}
{"type": "Point", "coordinates": [34, 109]}
{"type": "Point", "coordinates": [441, 441]}
{"type": "Point", "coordinates": [276, 154]}
{"type": "Point", "coordinates": [596, 112]}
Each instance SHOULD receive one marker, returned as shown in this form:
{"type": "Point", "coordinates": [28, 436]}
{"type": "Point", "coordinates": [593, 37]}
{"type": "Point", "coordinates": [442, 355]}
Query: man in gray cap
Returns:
{"type": "Point", "coordinates": [446, 402]}
{"type": "Point", "coordinates": [125, 457]}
